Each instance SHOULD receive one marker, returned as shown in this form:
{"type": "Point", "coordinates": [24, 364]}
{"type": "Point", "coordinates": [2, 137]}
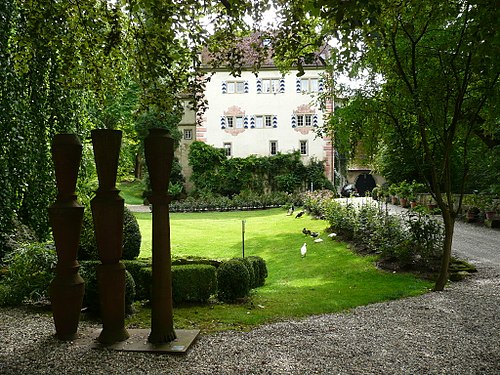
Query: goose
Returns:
{"type": "Point", "coordinates": [303, 250]}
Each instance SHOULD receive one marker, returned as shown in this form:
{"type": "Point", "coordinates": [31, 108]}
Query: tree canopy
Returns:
{"type": "Point", "coordinates": [431, 84]}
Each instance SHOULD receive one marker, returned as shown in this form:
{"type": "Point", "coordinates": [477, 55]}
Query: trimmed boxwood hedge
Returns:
{"type": "Point", "coordinates": [233, 280]}
{"type": "Point", "coordinates": [193, 283]}
{"type": "Point", "coordinates": [260, 270]}
{"type": "Point", "coordinates": [190, 282]}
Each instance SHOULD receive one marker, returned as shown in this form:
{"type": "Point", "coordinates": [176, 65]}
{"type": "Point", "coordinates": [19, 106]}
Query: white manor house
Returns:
{"type": "Point", "coordinates": [263, 115]}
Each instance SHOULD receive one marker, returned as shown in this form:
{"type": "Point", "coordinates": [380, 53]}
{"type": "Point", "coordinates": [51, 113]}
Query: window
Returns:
{"type": "Point", "coordinates": [239, 122]}
{"type": "Point", "coordinates": [270, 85]}
{"type": "Point", "coordinates": [309, 85]}
{"type": "Point", "coordinates": [227, 148]}
{"type": "Point", "coordinates": [273, 147]}
{"type": "Point", "coordinates": [262, 121]}
{"type": "Point", "coordinates": [188, 134]}
{"type": "Point", "coordinates": [234, 122]}
{"type": "Point", "coordinates": [303, 147]}
{"type": "Point", "coordinates": [235, 87]}
{"type": "Point", "coordinates": [304, 120]}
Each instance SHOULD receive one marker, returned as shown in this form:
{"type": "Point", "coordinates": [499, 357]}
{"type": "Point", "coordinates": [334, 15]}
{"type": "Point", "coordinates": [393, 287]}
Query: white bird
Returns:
{"type": "Point", "coordinates": [303, 250]}
{"type": "Point", "coordinates": [331, 235]}
{"type": "Point", "coordinates": [318, 240]}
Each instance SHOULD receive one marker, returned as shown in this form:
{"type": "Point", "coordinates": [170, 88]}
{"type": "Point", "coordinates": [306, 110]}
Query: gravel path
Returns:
{"type": "Point", "coordinates": [452, 332]}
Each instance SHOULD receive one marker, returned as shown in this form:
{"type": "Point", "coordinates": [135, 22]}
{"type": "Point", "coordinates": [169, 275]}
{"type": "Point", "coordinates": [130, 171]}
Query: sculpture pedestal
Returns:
{"type": "Point", "coordinates": [139, 342]}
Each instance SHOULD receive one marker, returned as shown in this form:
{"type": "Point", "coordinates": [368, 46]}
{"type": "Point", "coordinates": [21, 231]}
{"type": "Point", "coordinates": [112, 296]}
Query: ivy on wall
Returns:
{"type": "Point", "coordinates": [214, 173]}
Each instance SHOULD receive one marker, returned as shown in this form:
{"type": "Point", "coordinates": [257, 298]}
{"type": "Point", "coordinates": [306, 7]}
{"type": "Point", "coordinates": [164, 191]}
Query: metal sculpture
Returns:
{"type": "Point", "coordinates": [159, 152]}
{"type": "Point", "coordinates": [65, 216]}
{"type": "Point", "coordinates": [107, 212]}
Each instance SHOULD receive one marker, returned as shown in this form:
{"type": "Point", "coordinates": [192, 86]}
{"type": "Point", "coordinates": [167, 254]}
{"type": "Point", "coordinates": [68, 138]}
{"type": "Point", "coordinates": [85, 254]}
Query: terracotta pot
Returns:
{"type": "Point", "coordinates": [490, 215]}
{"type": "Point", "coordinates": [413, 204]}
{"type": "Point", "coordinates": [403, 202]}
{"type": "Point", "coordinates": [394, 200]}
{"type": "Point", "coordinates": [65, 217]}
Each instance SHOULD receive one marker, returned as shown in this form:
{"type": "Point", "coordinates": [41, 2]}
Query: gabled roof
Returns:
{"type": "Point", "coordinates": [253, 51]}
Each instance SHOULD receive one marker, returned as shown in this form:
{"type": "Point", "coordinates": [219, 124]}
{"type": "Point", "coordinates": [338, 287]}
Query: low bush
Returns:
{"type": "Point", "coordinates": [30, 271]}
{"type": "Point", "coordinates": [193, 283]}
{"type": "Point", "coordinates": [250, 269]}
{"type": "Point", "coordinates": [233, 280]}
{"type": "Point", "coordinates": [131, 236]}
{"type": "Point", "coordinates": [260, 270]}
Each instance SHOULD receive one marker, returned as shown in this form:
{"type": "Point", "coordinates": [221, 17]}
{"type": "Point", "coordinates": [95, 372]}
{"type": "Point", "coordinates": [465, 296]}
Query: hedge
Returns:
{"type": "Point", "coordinates": [193, 283]}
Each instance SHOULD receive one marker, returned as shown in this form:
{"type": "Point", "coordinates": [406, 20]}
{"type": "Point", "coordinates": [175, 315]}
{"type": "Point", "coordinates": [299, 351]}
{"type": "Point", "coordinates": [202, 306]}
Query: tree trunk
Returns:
{"type": "Point", "coordinates": [449, 226]}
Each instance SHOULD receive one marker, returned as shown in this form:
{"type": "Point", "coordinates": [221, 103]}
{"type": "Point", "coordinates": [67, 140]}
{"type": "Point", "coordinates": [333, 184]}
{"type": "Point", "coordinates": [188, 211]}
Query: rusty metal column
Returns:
{"type": "Point", "coordinates": [66, 214]}
{"type": "Point", "coordinates": [107, 213]}
{"type": "Point", "coordinates": [159, 152]}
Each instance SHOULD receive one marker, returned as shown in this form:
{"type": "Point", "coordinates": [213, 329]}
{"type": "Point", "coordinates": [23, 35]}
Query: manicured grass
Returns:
{"type": "Point", "coordinates": [329, 279]}
{"type": "Point", "coordinates": [132, 191]}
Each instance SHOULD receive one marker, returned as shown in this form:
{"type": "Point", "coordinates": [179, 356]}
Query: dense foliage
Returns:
{"type": "Point", "coordinates": [413, 240]}
{"type": "Point", "coordinates": [216, 174]}
{"type": "Point", "coordinates": [73, 66]}
{"type": "Point", "coordinates": [30, 271]}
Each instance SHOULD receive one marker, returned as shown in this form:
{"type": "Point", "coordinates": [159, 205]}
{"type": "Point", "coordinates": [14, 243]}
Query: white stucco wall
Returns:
{"type": "Point", "coordinates": [249, 141]}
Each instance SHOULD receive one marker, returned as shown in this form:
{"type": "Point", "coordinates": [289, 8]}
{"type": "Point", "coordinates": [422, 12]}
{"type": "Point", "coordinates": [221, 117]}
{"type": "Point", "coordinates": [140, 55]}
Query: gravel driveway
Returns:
{"type": "Point", "coordinates": [451, 332]}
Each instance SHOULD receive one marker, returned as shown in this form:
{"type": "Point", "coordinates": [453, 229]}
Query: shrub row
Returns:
{"type": "Point", "coordinates": [30, 269]}
{"type": "Point", "coordinates": [413, 240]}
{"type": "Point", "coordinates": [243, 201]}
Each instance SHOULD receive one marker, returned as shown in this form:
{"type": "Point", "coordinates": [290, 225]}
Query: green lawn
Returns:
{"type": "Point", "coordinates": [329, 279]}
{"type": "Point", "coordinates": [132, 191]}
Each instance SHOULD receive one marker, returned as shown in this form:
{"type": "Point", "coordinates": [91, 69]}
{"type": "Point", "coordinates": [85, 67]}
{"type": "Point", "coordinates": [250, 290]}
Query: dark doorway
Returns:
{"type": "Point", "coordinates": [365, 183]}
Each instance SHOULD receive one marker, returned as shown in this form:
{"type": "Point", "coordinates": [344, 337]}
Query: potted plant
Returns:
{"type": "Point", "coordinates": [393, 192]}
{"type": "Point", "coordinates": [491, 209]}
{"type": "Point", "coordinates": [415, 188]}
{"type": "Point", "coordinates": [404, 193]}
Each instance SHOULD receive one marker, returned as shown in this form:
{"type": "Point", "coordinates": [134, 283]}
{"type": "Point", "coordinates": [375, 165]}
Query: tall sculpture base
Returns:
{"type": "Point", "coordinates": [111, 281]}
{"type": "Point", "coordinates": [66, 294]}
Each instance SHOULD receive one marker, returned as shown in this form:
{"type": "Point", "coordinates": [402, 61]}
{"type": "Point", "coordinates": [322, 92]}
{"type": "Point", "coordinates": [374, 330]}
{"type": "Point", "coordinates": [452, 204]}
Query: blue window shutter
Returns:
{"type": "Point", "coordinates": [246, 87]}
{"type": "Point", "coordinates": [294, 120]}
{"type": "Point", "coordinates": [275, 121]}
{"type": "Point", "coordinates": [298, 86]}
{"type": "Point", "coordinates": [282, 85]}
{"type": "Point", "coordinates": [252, 122]}
{"type": "Point", "coordinates": [259, 86]}
{"type": "Point", "coordinates": [223, 122]}
{"type": "Point", "coordinates": [315, 121]}
{"type": "Point", "coordinates": [245, 122]}
{"type": "Point", "coordinates": [224, 87]}
{"type": "Point", "coordinates": [321, 85]}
